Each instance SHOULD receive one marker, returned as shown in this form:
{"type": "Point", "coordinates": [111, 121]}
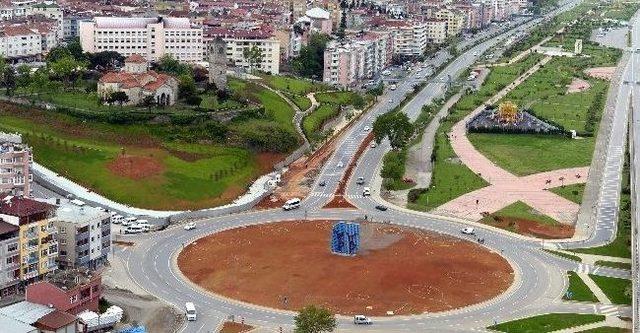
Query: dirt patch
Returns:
{"type": "Point", "coordinates": [186, 156]}
{"type": "Point", "coordinates": [288, 265]}
{"type": "Point", "coordinates": [150, 311]}
{"type": "Point", "coordinates": [267, 160]}
{"type": "Point", "coordinates": [135, 166]}
{"type": "Point", "coordinates": [578, 85]}
{"type": "Point", "coordinates": [339, 201]}
{"type": "Point", "coordinates": [604, 73]}
{"type": "Point", "coordinates": [530, 228]}
{"type": "Point", "coordinates": [231, 327]}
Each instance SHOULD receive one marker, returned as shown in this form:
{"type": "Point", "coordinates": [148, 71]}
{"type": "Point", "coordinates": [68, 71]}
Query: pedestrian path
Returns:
{"type": "Point", "coordinates": [506, 188]}
{"type": "Point", "coordinates": [602, 298]}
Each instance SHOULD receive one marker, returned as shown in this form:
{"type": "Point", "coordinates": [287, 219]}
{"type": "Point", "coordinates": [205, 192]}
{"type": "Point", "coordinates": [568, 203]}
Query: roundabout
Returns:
{"type": "Point", "coordinates": [288, 265]}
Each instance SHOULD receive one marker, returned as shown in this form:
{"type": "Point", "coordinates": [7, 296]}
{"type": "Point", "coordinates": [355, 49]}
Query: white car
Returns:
{"type": "Point", "coordinates": [366, 192]}
{"type": "Point", "coordinates": [373, 144]}
{"type": "Point", "coordinates": [468, 231]}
{"type": "Point", "coordinates": [190, 226]}
{"type": "Point", "coordinates": [390, 100]}
{"type": "Point", "coordinates": [362, 320]}
{"type": "Point", "coordinates": [367, 129]}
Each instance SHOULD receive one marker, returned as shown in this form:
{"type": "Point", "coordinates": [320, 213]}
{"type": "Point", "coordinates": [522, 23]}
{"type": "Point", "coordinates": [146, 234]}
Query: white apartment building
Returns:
{"type": "Point", "coordinates": [149, 37]}
{"type": "Point", "coordinates": [20, 42]}
{"type": "Point", "coordinates": [239, 40]}
{"type": "Point", "coordinates": [410, 39]}
{"type": "Point", "coordinates": [52, 11]}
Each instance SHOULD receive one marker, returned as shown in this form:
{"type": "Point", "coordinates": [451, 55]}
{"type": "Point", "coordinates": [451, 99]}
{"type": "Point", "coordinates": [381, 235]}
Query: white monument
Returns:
{"type": "Point", "coordinates": [578, 47]}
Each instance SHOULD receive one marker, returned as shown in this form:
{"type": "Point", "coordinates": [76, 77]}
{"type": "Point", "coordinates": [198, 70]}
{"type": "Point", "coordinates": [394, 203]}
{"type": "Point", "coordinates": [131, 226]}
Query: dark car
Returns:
{"type": "Point", "coordinates": [381, 207]}
{"type": "Point", "coordinates": [322, 183]}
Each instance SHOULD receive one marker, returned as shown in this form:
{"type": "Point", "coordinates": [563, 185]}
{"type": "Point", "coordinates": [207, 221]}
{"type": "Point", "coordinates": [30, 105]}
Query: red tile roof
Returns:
{"type": "Point", "coordinates": [55, 320]}
{"type": "Point", "coordinates": [22, 207]}
{"type": "Point", "coordinates": [136, 59]}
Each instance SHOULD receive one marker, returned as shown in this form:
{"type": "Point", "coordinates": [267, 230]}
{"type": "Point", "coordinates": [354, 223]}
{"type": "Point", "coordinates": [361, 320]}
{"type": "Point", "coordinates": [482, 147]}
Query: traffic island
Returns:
{"type": "Point", "coordinates": [288, 265]}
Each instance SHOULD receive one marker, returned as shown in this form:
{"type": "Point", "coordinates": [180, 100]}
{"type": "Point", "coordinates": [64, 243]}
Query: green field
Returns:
{"type": "Point", "coordinates": [451, 178]}
{"type": "Point", "coordinates": [547, 323]}
{"type": "Point", "coordinates": [617, 290]}
{"type": "Point", "coordinates": [520, 210]}
{"type": "Point", "coordinates": [614, 264]}
{"type": "Point", "coordinates": [160, 166]}
{"type": "Point", "coordinates": [572, 192]}
{"type": "Point", "coordinates": [579, 289]}
{"type": "Point", "coordinates": [517, 152]}
{"type": "Point", "coordinates": [330, 103]}
{"type": "Point", "coordinates": [295, 89]}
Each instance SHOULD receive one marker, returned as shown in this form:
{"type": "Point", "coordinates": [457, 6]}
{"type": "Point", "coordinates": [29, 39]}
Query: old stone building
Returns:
{"type": "Point", "coordinates": [218, 63]}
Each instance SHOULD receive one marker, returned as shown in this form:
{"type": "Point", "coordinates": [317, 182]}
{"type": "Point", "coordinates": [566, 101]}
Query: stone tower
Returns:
{"type": "Point", "coordinates": [218, 63]}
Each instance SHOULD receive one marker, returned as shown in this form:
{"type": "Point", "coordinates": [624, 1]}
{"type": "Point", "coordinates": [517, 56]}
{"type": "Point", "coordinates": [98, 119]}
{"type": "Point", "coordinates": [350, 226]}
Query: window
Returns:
{"type": "Point", "coordinates": [63, 230]}
{"type": "Point", "coordinates": [73, 299]}
{"type": "Point", "coordinates": [12, 247]}
{"type": "Point", "coordinates": [63, 253]}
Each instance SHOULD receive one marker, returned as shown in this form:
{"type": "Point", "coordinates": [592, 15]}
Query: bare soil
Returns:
{"type": "Point", "coordinates": [531, 228]}
{"type": "Point", "coordinates": [231, 327]}
{"type": "Point", "coordinates": [578, 85]}
{"type": "Point", "coordinates": [339, 201]}
{"type": "Point", "coordinates": [288, 265]}
{"type": "Point", "coordinates": [135, 167]}
{"type": "Point", "coordinates": [156, 316]}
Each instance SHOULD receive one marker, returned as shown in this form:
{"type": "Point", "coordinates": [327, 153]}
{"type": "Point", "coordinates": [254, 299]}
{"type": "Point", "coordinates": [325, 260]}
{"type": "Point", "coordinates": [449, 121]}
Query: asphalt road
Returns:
{"type": "Point", "coordinates": [540, 277]}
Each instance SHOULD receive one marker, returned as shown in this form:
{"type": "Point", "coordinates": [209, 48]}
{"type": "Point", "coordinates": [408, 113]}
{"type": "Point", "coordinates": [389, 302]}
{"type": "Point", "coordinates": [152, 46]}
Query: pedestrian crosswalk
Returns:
{"type": "Point", "coordinates": [583, 268]}
{"type": "Point", "coordinates": [608, 309]}
{"type": "Point", "coordinates": [329, 195]}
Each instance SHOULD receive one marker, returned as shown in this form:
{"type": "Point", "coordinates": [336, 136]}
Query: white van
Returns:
{"type": "Point", "coordinates": [133, 229]}
{"type": "Point", "coordinates": [366, 192]}
{"type": "Point", "coordinates": [191, 311]}
{"type": "Point", "coordinates": [393, 87]}
{"type": "Point", "coordinates": [129, 221]}
{"type": "Point", "coordinates": [145, 225]}
{"type": "Point", "coordinates": [117, 219]}
{"type": "Point", "coordinates": [291, 204]}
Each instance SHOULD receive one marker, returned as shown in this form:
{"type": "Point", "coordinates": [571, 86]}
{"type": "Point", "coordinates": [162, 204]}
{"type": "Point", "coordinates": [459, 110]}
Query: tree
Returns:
{"type": "Point", "coordinates": [395, 126]}
{"type": "Point", "coordinates": [24, 76]}
{"type": "Point", "coordinates": [105, 59]}
{"type": "Point", "coordinates": [119, 97]}
{"type": "Point", "coordinates": [148, 102]}
{"type": "Point", "coordinates": [343, 24]}
{"type": "Point", "coordinates": [186, 86]}
{"type": "Point", "coordinates": [169, 64]}
{"type": "Point", "coordinates": [310, 62]}
{"type": "Point", "coordinates": [9, 80]}
{"type": "Point", "coordinates": [253, 55]}
{"type": "Point", "coordinates": [312, 319]}
{"type": "Point", "coordinates": [41, 83]}
{"type": "Point", "coordinates": [66, 68]}
{"type": "Point", "coordinates": [508, 112]}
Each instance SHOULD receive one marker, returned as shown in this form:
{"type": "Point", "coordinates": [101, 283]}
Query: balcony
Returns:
{"type": "Point", "coordinates": [30, 275]}
{"type": "Point", "coordinates": [30, 260]}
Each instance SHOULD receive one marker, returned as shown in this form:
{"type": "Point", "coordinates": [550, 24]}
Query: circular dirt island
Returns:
{"type": "Point", "coordinates": [288, 265]}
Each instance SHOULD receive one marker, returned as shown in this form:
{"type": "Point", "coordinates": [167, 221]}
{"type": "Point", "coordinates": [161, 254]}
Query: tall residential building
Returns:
{"type": "Point", "coordinates": [436, 31]}
{"type": "Point", "coordinates": [15, 161]}
{"type": "Point", "coordinates": [84, 236]}
{"type": "Point", "coordinates": [9, 259]}
{"type": "Point", "coordinates": [410, 38]}
{"type": "Point", "coordinates": [149, 37]}
{"type": "Point", "coordinates": [37, 242]}
{"type": "Point", "coordinates": [455, 20]}
{"type": "Point", "coordinates": [52, 11]}
{"type": "Point", "coordinates": [237, 41]}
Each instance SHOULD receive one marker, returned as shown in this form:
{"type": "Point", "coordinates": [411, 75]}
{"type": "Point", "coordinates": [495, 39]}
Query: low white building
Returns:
{"type": "Point", "coordinates": [238, 40]}
{"type": "Point", "coordinates": [150, 37]}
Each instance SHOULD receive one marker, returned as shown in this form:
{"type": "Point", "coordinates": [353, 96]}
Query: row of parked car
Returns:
{"type": "Point", "coordinates": [132, 224]}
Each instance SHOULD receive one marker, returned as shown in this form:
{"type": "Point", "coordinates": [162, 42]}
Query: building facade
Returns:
{"type": "Point", "coordinates": [37, 235]}
{"type": "Point", "coordinates": [9, 259]}
{"type": "Point", "coordinates": [71, 291]}
{"type": "Point", "coordinates": [150, 37]}
{"type": "Point", "coordinates": [237, 41]}
{"type": "Point", "coordinates": [84, 236]}
{"type": "Point", "coordinates": [15, 163]}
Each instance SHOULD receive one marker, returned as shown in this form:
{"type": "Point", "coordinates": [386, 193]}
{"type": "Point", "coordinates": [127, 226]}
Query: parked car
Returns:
{"type": "Point", "coordinates": [362, 320]}
{"type": "Point", "coordinates": [381, 208]}
{"type": "Point", "coordinates": [129, 221]}
{"type": "Point", "coordinates": [133, 229]}
{"type": "Point", "coordinates": [373, 144]}
{"type": "Point", "coordinates": [190, 226]}
{"type": "Point", "coordinates": [468, 231]}
{"type": "Point", "coordinates": [145, 225]}
{"type": "Point", "coordinates": [322, 183]}
{"type": "Point", "coordinates": [360, 181]}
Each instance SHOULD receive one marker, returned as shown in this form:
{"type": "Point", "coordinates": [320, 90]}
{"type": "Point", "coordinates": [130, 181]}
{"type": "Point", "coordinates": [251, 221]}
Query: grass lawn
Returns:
{"type": "Point", "coordinates": [572, 192]}
{"type": "Point", "coordinates": [300, 101]}
{"type": "Point", "coordinates": [580, 291]}
{"type": "Point", "coordinates": [564, 255]}
{"type": "Point", "coordinates": [292, 85]}
{"type": "Point", "coordinates": [172, 176]}
{"type": "Point", "coordinates": [312, 123]}
{"type": "Point", "coordinates": [614, 264]}
{"type": "Point", "coordinates": [520, 210]}
{"type": "Point", "coordinates": [451, 178]}
{"type": "Point", "coordinates": [607, 329]}
{"type": "Point", "coordinates": [547, 323]}
{"type": "Point", "coordinates": [617, 290]}
{"type": "Point", "coordinates": [210, 101]}
{"type": "Point", "coordinates": [516, 152]}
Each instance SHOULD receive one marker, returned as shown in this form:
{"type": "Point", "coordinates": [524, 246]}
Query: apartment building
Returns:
{"type": "Point", "coordinates": [71, 24]}
{"type": "Point", "coordinates": [149, 37]}
{"type": "Point", "coordinates": [84, 236]}
{"type": "Point", "coordinates": [51, 11]}
{"type": "Point", "coordinates": [455, 20]}
{"type": "Point", "coordinates": [37, 235]}
{"type": "Point", "coordinates": [9, 259]}
{"type": "Point", "coordinates": [238, 40]}
{"type": "Point", "coordinates": [15, 162]}
{"type": "Point", "coordinates": [71, 291]}
{"type": "Point", "coordinates": [436, 31]}
{"type": "Point", "coordinates": [409, 38]}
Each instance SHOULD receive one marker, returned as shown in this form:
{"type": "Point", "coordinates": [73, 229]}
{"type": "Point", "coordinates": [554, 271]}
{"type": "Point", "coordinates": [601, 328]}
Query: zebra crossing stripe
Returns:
{"type": "Point", "coordinates": [609, 310]}
{"type": "Point", "coordinates": [583, 268]}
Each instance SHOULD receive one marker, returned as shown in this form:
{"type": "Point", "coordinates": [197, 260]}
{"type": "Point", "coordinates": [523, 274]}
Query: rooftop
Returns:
{"type": "Point", "coordinates": [142, 22]}
{"type": "Point", "coordinates": [55, 320]}
{"type": "Point", "coordinates": [71, 278]}
{"type": "Point", "coordinates": [15, 326]}
{"type": "Point", "coordinates": [68, 212]}
{"type": "Point", "coordinates": [22, 207]}
{"type": "Point", "coordinates": [25, 312]}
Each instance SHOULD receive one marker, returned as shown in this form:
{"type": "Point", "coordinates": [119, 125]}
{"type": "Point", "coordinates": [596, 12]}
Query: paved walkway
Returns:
{"type": "Point", "coordinates": [506, 188]}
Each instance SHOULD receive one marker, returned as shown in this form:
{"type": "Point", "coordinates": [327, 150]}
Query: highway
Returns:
{"type": "Point", "coordinates": [540, 277]}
